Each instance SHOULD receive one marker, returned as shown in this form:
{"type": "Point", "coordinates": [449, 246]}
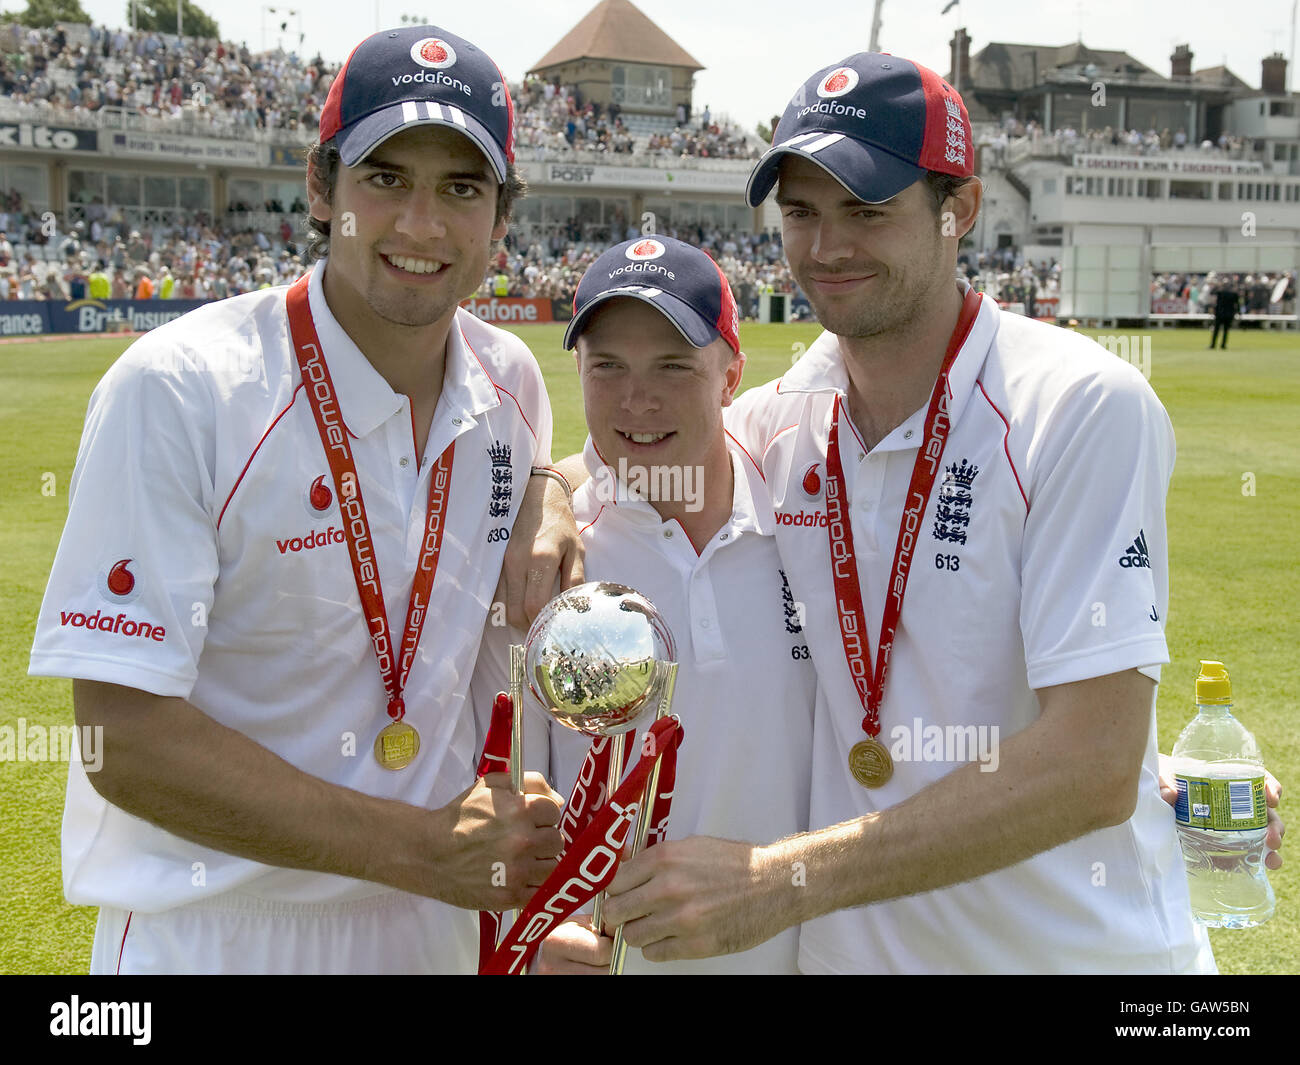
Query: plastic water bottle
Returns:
{"type": "Point", "coordinates": [1221, 815]}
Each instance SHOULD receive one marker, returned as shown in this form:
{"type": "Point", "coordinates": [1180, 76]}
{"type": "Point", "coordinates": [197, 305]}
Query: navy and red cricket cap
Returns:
{"type": "Point", "coordinates": [419, 76]}
{"type": "Point", "coordinates": [874, 122]}
{"type": "Point", "coordinates": [681, 281]}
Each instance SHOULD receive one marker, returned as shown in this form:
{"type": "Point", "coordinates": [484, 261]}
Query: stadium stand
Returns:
{"type": "Point", "coordinates": [150, 102]}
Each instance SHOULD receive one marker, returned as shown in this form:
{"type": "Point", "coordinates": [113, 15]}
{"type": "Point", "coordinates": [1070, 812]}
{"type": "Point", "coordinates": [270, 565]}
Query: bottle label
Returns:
{"type": "Point", "coordinates": [1221, 804]}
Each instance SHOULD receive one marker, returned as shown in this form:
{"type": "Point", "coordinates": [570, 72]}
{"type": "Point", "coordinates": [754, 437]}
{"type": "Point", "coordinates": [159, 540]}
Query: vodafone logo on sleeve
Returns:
{"type": "Point", "coordinates": [121, 625]}
{"type": "Point", "coordinates": [120, 580]}
{"type": "Point", "coordinates": [117, 583]}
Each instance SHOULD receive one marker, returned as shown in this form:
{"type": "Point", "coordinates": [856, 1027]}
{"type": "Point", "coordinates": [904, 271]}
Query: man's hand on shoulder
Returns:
{"type": "Point", "coordinates": [544, 548]}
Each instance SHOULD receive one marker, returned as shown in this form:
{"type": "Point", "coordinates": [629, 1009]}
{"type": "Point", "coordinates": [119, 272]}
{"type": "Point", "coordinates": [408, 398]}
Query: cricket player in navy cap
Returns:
{"type": "Point", "coordinates": [676, 509]}
{"type": "Point", "coordinates": [285, 531]}
{"type": "Point", "coordinates": [985, 597]}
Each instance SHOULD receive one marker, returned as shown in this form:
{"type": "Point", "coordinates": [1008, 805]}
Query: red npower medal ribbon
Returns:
{"type": "Point", "coordinates": [590, 864]}
{"type": "Point", "coordinates": [495, 759]}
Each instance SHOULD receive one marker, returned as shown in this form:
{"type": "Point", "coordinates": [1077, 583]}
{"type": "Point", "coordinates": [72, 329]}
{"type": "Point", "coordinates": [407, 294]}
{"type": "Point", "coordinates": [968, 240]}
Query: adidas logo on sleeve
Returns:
{"type": "Point", "coordinates": [1135, 555]}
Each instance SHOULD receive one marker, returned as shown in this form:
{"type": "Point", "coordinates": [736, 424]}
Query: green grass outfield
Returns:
{"type": "Point", "coordinates": [1235, 582]}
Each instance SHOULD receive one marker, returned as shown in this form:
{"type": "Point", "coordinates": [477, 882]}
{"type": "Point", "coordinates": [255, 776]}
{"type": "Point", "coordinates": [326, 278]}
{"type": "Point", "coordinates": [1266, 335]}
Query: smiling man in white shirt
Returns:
{"type": "Point", "coordinates": [274, 494]}
{"type": "Point", "coordinates": [984, 495]}
{"type": "Point", "coordinates": [676, 509]}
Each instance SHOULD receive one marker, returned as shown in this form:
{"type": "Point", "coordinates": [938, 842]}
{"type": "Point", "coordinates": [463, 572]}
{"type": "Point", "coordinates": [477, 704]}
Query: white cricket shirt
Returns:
{"type": "Point", "coordinates": [1040, 560]}
{"type": "Point", "coordinates": [745, 683]}
{"type": "Point", "coordinates": [203, 557]}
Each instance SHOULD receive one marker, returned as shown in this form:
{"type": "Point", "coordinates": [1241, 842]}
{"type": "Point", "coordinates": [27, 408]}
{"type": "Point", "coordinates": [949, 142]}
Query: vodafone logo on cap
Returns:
{"type": "Point", "coordinates": [434, 53]}
{"type": "Point", "coordinates": [837, 83]}
{"type": "Point", "coordinates": [117, 583]}
{"type": "Point", "coordinates": [645, 249]}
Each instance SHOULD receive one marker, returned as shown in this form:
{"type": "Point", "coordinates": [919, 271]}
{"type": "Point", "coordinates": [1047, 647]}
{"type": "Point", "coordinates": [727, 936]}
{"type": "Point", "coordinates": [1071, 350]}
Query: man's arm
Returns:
{"type": "Point", "coordinates": [170, 764]}
{"type": "Point", "coordinates": [573, 469]}
{"type": "Point", "coordinates": [1073, 771]}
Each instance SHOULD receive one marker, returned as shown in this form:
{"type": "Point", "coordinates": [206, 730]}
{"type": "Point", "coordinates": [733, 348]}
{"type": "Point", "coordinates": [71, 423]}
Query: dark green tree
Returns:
{"type": "Point", "coordinates": [160, 16]}
{"type": "Point", "coordinates": [41, 14]}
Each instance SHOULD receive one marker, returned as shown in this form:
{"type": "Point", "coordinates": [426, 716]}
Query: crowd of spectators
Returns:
{"type": "Point", "coordinates": [554, 118]}
{"type": "Point", "coordinates": [1010, 278]}
{"type": "Point", "coordinates": [210, 259]}
{"type": "Point", "coordinates": [202, 259]}
{"type": "Point", "coordinates": [1000, 143]}
{"type": "Point", "coordinates": [1182, 293]}
{"type": "Point", "coordinates": [551, 268]}
{"type": "Point", "coordinates": [219, 87]}
{"type": "Point", "coordinates": [222, 88]}
{"type": "Point", "coordinates": [226, 88]}
{"type": "Point", "coordinates": [711, 141]}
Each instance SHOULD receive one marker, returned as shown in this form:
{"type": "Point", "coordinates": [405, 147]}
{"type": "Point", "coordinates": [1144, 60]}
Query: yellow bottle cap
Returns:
{"type": "Point", "coordinates": [1213, 686]}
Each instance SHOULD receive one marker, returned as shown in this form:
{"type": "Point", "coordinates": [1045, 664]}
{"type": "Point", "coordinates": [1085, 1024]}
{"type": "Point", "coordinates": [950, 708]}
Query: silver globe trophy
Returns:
{"type": "Point", "coordinates": [597, 657]}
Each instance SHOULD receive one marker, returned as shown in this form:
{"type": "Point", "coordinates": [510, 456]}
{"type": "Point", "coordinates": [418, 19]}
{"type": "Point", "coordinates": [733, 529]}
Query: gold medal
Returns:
{"type": "Point", "coordinates": [397, 745]}
{"type": "Point", "coordinates": [870, 764]}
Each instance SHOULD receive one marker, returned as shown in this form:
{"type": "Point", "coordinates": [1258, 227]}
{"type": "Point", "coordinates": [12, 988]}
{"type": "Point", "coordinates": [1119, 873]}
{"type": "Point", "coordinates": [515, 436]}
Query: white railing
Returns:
{"type": "Point", "coordinates": [264, 221]}
{"type": "Point", "coordinates": [641, 96]}
{"type": "Point", "coordinates": [126, 219]}
{"type": "Point", "coordinates": [124, 118]}
{"type": "Point", "coordinates": [1056, 144]}
{"type": "Point", "coordinates": [640, 158]}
